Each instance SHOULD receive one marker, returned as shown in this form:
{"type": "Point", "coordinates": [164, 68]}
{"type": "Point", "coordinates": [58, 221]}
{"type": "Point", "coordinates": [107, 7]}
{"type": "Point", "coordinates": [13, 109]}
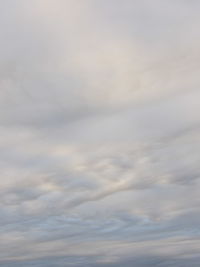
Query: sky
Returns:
{"type": "Point", "coordinates": [99, 133]}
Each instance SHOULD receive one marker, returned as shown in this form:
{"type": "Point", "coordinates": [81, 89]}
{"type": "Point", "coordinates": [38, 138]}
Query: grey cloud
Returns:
{"type": "Point", "coordinates": [99, 127]}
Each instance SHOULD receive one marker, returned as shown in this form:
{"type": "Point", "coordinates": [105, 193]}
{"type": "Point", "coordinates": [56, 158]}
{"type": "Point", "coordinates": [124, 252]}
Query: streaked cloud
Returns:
{"type": "Point", "coordinates": [99, 129]}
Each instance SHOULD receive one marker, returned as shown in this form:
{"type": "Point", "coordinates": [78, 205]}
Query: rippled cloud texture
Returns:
{"type": "Point", "coordinates": [100, 133]}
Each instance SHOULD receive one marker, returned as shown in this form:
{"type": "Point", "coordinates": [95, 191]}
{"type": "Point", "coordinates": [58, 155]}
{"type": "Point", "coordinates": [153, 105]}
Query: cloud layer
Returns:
{"type": "Point", "coordinates": [100, 133]}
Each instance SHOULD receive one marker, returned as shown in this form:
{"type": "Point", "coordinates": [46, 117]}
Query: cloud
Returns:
{"type": "Point", "coordinates": [99, 132]}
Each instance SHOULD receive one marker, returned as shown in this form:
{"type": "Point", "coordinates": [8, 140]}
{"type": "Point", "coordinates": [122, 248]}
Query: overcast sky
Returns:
{"type": "Point", "coordinates": [99, 133]}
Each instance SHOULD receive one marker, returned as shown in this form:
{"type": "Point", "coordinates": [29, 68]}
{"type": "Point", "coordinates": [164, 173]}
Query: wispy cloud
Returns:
{"type": "Point", "coordinates": [99, 125]}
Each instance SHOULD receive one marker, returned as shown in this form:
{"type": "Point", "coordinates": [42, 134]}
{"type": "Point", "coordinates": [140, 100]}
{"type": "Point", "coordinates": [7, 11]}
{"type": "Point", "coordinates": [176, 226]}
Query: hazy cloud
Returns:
{"type": "Point", "coordinates": [99, 125]}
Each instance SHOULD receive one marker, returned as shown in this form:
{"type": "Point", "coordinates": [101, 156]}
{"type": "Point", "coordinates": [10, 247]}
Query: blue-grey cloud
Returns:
{"type": "Point", "coordinates": [99, 124]}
